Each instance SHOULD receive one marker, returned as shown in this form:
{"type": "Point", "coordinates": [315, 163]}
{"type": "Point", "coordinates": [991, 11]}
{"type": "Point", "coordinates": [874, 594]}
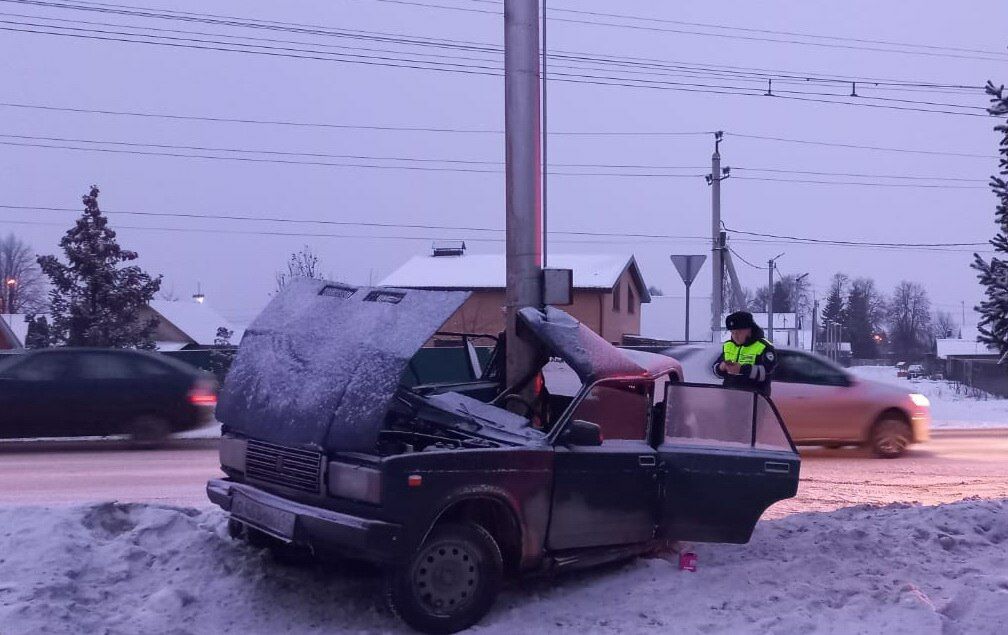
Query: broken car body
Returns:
{"type": "Point", "coordinates": [324, 448]}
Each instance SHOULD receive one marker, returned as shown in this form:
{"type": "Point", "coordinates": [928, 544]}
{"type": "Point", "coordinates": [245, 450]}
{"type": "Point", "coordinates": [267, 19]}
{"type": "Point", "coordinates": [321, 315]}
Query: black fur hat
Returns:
{"type": "Point", "coordinates": [740, 320]}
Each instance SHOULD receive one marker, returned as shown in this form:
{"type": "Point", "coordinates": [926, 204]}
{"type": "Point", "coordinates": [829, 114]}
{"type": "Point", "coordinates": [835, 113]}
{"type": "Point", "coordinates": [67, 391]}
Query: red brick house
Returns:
{"type": "Point", "coordinates": [608, 289]}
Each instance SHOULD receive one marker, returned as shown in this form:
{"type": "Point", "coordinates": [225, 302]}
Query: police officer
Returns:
{"type": "Point", "coordinates": [747, 360]}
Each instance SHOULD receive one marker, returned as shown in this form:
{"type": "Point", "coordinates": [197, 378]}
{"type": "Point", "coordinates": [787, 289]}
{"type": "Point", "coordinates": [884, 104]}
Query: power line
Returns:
{"type": "Point", "coordinates": [863, 243]}
{"type": "Point", "coordinates": [983, 56]}
{"type": "Point", "coordinates": [757, 238]}
{"type": "Point", "coordinates": [860, 183]}
{"type": "Point", "coordinates": [737, 255]}
{"type": "Point", "coordinates": [788, 33]}
{"type": "Point", "coordinates": [493, 70]}
{"type": "Point", "coordinates": [859, 146]}
{"type": "Point", "coordinates": [455, 165]}
{"type": "Point", "coordinates": [907, 177]}
{"type": "Point", "coordinates": [482, 131]}
{"type": "Point", "coordinates": [469, 45]}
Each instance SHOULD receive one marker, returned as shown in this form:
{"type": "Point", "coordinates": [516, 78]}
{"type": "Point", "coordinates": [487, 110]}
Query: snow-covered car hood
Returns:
{"type": "Point", "coordinates": [320, 365]}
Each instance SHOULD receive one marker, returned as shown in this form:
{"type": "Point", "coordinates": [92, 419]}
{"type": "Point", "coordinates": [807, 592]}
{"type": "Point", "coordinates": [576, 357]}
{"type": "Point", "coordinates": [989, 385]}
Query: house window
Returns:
{"type": "Point", "coordinates": [616, 298]}
{"type": "Point", "coordinates": [630, 307]}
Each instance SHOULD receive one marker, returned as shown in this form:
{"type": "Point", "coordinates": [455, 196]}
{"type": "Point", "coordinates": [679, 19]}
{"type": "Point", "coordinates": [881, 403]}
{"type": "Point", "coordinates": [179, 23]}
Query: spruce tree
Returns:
{"type": "Point", "coordinates": [993, 275]}
{"type": "Point", "coordinates": [833, 311]}
{"type": "Point", "coordinates": [96, 299]}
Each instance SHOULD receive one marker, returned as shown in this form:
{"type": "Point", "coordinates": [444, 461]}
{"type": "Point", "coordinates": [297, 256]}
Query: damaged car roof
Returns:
{"type": "Point", "coordinates": [320, 365]}
{"type": "Point", "coordinates": [590, 356]}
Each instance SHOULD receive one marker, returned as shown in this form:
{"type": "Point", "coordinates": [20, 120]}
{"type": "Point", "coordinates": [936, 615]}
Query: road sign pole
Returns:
{"type": "Point", "coordinates": [687, 336]}
{"type": "Point", "coordinates": [688, 268]}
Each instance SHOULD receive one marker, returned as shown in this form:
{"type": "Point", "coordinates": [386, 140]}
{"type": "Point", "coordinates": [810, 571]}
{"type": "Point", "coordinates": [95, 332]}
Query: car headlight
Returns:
{"type": "Point", "coordinates": [355, 482]}
{"type": "Point", "coordinates": [920, 400]}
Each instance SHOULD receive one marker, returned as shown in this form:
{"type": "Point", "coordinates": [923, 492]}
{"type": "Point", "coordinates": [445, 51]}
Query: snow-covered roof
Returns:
{"type": "Point", "coordinates": [197, 320]}
{"type": "Point", "coordinates": [15, 323]}
{"type": "Point", "coordinates": [954, 347]}
{"type": "Point", "coordinates": [169, 346]}
{"type": "Point", "coordinates": [486, 271]}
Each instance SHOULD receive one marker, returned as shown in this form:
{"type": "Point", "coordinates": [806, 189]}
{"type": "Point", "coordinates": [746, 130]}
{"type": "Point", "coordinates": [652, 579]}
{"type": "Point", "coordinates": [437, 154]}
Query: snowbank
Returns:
{"type": "Point", "coordinates": [116, 568]}
{"type": "Point", "coordinates": [951, 406]}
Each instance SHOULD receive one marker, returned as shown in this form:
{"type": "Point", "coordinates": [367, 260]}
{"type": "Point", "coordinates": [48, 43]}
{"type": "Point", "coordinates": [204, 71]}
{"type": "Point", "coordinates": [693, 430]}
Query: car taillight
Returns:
{"type": "Point", "coordinates": [203, 394]}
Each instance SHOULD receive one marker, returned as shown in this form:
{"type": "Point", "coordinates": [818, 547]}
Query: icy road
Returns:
{"type": "Point", "coordinates": [954, 465]}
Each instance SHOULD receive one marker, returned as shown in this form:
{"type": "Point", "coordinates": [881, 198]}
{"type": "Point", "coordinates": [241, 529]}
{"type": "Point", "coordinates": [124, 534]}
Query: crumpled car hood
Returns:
{"type": "Point", "coordinates": [320, 365]}
{"type": "Point", "coordinates": [588, 354]}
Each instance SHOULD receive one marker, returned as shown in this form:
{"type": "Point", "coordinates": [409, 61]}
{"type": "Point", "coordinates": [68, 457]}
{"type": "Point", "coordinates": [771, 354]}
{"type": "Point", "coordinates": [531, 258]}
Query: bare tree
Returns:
{"type": "Point", "coordinates": [909, 316]}
{"type": "Point", "coordinates": [302, 264]}
{"type": "Point", "coordinates": [23, 285]}
{"type": "Point", "coordinates": [168, 294]}
{"type": "Point", "coordinates": [944, 324]}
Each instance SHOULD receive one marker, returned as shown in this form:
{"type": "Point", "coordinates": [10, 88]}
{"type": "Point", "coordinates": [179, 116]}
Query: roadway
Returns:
{"type": "Point", "coordinates": [954, 465]}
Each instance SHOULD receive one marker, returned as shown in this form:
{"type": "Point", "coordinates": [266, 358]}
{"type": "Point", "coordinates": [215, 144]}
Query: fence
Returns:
{"type": "Point", "coordinates": [982, 374]}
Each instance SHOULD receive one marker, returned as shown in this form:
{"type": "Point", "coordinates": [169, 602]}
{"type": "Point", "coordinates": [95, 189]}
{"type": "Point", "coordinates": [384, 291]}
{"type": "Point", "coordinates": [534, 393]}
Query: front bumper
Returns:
{"type": "Point", "coordinates": [321, 529]}
{"type": "Point", "coordinates": [920, 422]}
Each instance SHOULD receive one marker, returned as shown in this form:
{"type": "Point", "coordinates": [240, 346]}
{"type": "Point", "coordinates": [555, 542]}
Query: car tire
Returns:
{"type": "Point", "coordinates": [833, 446]}
{"type": "Point", "coordinates": [890, 438]}
{"type": "Point", "coordinates": [149, 430]}
{"type": "Point", "coordinates": [450, 581]}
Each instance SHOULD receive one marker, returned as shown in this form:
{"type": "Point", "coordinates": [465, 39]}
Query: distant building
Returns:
{"type": "Point", "coordinates": [608, 289]}
{"type": "Point", "coordinates": [664, 319]}
{"type": "Point", "coordinates": [187, 325]}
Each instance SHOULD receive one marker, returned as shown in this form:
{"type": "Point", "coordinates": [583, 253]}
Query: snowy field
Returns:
{"type": "Point", "coordinates": [129, 569]}
{"type": "Point", "coordinates": [951, 407]}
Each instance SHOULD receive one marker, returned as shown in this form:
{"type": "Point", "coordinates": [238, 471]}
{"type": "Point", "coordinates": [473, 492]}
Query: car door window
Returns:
{"type": "Point", "coordinates": [47, 367]}
{"type": "Point", "coordinates": [620, 409]}
{"type": "Point", "coordinates": [708, 415]}
{"type": "Point", "coordinates": [805, 369]}
{"type": "Point", "coordinates": [104, 366]}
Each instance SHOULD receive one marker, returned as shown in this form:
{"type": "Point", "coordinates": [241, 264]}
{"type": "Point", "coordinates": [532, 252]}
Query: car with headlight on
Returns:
{"type": "Point", "coordinates": [822, 403]}
{"type": "Point", "coordinates": [329, 444]}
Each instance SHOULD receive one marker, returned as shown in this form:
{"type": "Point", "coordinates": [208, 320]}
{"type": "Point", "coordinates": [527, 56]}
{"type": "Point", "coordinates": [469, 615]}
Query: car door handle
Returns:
{"type": "Point", "coordinates": [776, 467]}
{"type": "Point", "coordinates": [647, 460]}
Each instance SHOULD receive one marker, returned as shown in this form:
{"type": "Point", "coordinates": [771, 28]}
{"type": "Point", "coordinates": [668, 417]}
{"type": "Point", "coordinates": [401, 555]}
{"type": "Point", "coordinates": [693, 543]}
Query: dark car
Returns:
{"type": "Point", "coordinates": [74, 392]}
{"type": "Point", "coordinates": [325, 447]}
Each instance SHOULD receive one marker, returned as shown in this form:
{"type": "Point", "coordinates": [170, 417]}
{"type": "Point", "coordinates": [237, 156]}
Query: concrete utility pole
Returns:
{"type": "Point", "coordinates": [717, 246]}
{"type": "Point", "coordinates": [523, 223]}
{"type": "Point", "coordinates": [769, 302]}
{"type": "Point", "coordinates": [771, 266]}
{"type": "Point", "coordinates": [815, 322]}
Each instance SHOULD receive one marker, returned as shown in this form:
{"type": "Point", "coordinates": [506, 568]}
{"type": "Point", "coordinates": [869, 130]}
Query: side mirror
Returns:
{"type": "Point", "coordinates": [581, 433]}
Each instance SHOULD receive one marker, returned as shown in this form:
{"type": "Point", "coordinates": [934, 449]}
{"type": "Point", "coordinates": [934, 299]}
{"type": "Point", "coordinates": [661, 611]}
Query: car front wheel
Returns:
{"type": "Point", "coordinates": [450, 582]}
{"type": "Point", "coordinates": [891, 437]}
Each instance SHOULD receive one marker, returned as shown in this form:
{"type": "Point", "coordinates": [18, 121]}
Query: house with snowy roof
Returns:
{"type": "Point", "coordinates": [608, 289]}
{"type": "Point", "coordinates": [187, 325]}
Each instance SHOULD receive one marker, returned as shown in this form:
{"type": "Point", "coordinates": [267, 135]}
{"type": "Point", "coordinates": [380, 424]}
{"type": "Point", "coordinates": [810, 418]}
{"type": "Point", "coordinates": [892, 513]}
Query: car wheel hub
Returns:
{"type": "Point", "coordinates": [445, 577]}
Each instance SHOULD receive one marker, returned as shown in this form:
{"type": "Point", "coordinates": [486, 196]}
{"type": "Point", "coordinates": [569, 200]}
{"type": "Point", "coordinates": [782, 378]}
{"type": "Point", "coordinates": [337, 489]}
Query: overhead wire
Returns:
{"type": "Point", "coordinates": [477, 66]}
{"type": "Point", "coordinates": [757, 238]}
{"type": "Point", "coordinates": [862, 46]}
{"type": "Point", "coordinates": [461, 165]}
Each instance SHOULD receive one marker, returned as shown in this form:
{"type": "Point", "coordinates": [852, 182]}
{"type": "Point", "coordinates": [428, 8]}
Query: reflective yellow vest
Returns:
{"type": "Point", "coordinates": [743, 355]}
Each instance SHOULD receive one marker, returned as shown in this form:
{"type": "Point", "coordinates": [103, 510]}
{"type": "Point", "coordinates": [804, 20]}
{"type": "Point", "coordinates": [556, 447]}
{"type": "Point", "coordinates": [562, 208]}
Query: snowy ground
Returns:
{"type": "Point", "coordinates": [116, 568]}
{"type": "Point", "coordinates": [951, 406]}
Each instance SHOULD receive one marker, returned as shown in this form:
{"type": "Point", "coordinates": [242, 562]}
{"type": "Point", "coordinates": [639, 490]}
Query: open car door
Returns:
{"type": "Point", "coordinates": [725, 457]}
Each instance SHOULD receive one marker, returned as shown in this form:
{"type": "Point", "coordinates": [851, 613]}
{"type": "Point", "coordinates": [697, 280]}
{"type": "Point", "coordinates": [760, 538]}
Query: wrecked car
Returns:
{"type": "Point", "coordinates": [456, 487]}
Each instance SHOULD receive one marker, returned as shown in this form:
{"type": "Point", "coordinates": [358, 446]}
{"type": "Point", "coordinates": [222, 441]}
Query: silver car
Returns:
{"type": "Point", "coordinates": [824, 404]}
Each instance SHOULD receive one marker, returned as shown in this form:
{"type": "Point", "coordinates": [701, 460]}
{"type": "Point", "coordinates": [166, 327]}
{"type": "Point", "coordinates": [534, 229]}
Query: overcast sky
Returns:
{"type": "Point", "coordinates": [236, 270]}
